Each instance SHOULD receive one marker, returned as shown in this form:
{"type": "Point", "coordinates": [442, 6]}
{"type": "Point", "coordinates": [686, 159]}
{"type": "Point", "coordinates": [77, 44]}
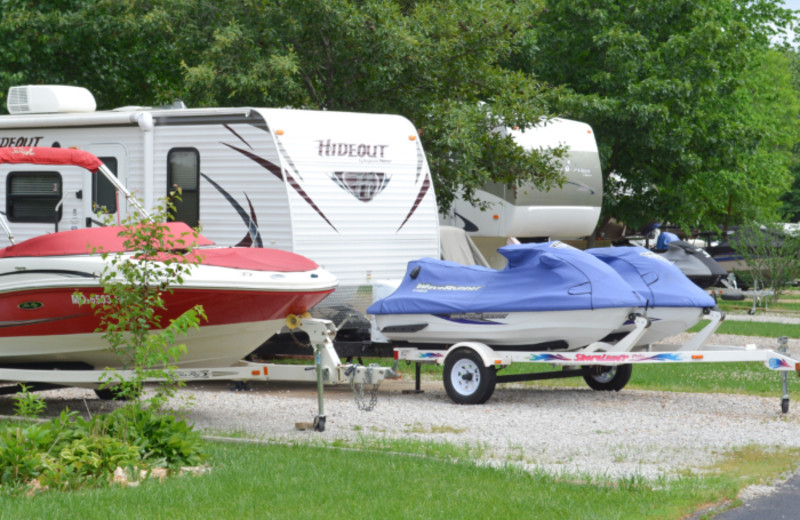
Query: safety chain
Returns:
{"type": "Point", "coordinates": [359, 394]}
{"type": "Point", "coordinates": [298, 342]}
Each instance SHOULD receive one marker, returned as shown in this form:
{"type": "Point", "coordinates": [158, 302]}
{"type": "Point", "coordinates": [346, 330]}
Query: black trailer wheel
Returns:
{"type": "Point", "coordinates": [785, 405]}
{"type": "Point", "coordinates": [607, 378]}
{"type": "Point", "coordinates": [319, 423]}
{"type": "Point", "coordinates": [466, 379]}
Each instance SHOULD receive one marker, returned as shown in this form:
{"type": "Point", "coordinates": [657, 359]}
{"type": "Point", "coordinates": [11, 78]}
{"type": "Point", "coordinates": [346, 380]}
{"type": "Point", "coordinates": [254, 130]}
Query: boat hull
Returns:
{"type": "Point", "coordinates": [209, 346]}
{"type": "Point", "coordinates": [48, 307]}
{"type": "Point", "coordinates": [59, 325]}
{"type": "Point", "coordinates": [569, 329]}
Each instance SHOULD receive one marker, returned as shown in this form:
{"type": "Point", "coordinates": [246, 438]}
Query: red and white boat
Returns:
{"type": "Point", "coordinates": [48, 282]}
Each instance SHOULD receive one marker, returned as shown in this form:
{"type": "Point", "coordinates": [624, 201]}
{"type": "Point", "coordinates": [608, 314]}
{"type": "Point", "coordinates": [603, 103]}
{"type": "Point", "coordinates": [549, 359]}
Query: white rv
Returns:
{"type": "Point", "coordinates": [351, 191]}
{"type": "Point", "coordinates": [523, 211]}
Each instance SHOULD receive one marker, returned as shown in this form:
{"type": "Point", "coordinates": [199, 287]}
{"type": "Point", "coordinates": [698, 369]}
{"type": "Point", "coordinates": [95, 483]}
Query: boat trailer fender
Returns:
{"type": "Point", "coordinates": [489, 356]}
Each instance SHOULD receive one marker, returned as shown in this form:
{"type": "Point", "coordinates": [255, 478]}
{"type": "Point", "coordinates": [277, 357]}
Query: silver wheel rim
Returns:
{"type": "Point", "coordinates": [465, 376]}
{"type": "Point", "coordinates": [606, 376]}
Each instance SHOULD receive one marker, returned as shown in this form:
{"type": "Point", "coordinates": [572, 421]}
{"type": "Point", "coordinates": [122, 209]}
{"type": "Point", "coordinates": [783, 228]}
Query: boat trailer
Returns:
{"type": "Point", "coordinates": [327, 369]}
{"type": "Point", "coordinates": [470, 368]}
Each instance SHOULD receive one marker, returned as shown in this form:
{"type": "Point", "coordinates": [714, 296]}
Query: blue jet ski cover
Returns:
{"type": "Point", "coordinates": [539, 277]}
{"type": "Point", "coordinates": [653, 277]}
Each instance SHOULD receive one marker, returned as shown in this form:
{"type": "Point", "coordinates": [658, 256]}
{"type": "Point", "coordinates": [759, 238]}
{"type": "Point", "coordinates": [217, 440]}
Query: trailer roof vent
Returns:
{"type": "Point", "coordinates": [49, 99]}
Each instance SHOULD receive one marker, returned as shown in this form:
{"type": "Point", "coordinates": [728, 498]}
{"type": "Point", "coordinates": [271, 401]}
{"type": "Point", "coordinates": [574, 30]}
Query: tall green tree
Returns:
{"type": "Point", "coordinates": [693, 109]}
{"type": "Point", "coordinates": [692, 106]}
{"type": "Point", "coordinates": [125, 51]}
{"type": "Point", "coordinates": [437, 63]}
{"type": "Point", "coordinates": [791, 199]}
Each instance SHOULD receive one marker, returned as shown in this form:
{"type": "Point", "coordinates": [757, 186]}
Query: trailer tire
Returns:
{"type": "Point", "coordinates": [466, 379]}
{"type": "Point", "coordinates": [607, 378]}
{"type": "Point", "coordinates": [112, 393]}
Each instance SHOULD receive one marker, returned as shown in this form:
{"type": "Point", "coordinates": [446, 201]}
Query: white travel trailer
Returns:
{"type": "Point", "coordinates": [523, 211]}
{"type": "Point", "coordinates": [351, 191]}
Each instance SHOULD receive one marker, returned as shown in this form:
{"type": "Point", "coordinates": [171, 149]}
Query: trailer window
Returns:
{"type": "Point", "coordinates": [33, 196]}
{"type": "Point", "coordinates": [183, 170]}
{"type": "Point", "coordinates": [104, 195]}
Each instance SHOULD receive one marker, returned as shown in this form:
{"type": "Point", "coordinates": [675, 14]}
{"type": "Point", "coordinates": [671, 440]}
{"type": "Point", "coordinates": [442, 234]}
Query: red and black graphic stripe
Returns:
{"type": "Point", "coordinates": [276, 171]}
{"type": "Point", "coordinates": [426, 184]}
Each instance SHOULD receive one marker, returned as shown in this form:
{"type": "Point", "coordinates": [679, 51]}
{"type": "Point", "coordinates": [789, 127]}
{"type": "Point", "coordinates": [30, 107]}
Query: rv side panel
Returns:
{"type": "Point", "coordinates": [570, 211]}
{"type": "Point", "coordinates": [360, 191]}
{"type": "Point", "coordinates": [351, 191]}
{"type": "Point", "coordinates": [242, 200]}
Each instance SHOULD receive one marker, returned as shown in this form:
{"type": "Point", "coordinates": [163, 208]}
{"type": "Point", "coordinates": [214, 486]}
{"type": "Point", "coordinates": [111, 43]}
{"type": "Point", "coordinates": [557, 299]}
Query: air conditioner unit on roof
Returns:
{"type": "Point", "coordinates": [49, 99]}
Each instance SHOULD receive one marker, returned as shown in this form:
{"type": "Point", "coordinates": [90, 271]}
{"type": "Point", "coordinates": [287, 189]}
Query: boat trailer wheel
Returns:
{"type": "Point", "coordinates": [466, 379]}
{"type": "Point", "coordinates": [607, 378]}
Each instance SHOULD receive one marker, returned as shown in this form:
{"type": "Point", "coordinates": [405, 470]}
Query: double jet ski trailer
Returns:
{"type": "Point", "coordinates": [471, 368]}
{"type": "Point", "coordinates": [557, 294]}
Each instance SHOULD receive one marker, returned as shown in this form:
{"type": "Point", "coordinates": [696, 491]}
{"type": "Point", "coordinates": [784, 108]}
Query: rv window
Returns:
{"type": "Point", "coordinates": [32, 196]}
{"type": "Point", "coordinates": [183, 169]}
{"type": "Point", "coordinates": [104, 195]}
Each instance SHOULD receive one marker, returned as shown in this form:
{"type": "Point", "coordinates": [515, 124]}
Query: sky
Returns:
{"type": "Point", "coordinates": [792, 4]}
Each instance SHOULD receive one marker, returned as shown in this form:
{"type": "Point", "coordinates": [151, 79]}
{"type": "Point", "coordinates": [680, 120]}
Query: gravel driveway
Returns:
{"type": "Point", "coordinates": [613, 434]}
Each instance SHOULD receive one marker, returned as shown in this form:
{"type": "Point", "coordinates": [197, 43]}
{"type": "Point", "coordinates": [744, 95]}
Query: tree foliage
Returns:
{"type": "Point", "coordinates": [692, 109]}
{"type": "Point", "coordinates": [437, 63]}
{"type": "Point", "coordinates": [791, 199]}
{"type": "Point", "coordinates": [772, 255]}
{"type": "Point", "coordinates": [126, 52]}
{"type": "Point", "coordinates": [692, 106]}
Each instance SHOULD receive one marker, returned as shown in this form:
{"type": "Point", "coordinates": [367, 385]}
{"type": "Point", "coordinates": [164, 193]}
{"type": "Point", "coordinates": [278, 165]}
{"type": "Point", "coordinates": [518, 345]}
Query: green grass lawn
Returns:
{"type": "Point", "coordinates": [754, 328]}
{"type": "Point", "coordinates": [292, 482]}
{"type": "Point", "coordinates": [787, 302]}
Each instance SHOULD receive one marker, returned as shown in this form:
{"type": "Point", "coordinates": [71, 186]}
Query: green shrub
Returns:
{"type": "Point", "coordinates": [69, 452]}
{"type": "Point", "coordinates": [97, 457]}
{"type": "Point", "coordinates": [161, 439]}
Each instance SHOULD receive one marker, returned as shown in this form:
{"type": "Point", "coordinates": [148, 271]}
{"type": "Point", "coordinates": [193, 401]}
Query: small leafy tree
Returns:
{"type": "Point", "coordinates": [772, 255]}
{"type": "Point", "coordinates": [131, 311]}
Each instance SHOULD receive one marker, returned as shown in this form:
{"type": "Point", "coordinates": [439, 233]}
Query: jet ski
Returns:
{"type": "Point", "coordinates": [674, 303]}
{"type": "Point", "coordinates": [697, 264]}
{"type": "Point", "coordinates": [550, 296]}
